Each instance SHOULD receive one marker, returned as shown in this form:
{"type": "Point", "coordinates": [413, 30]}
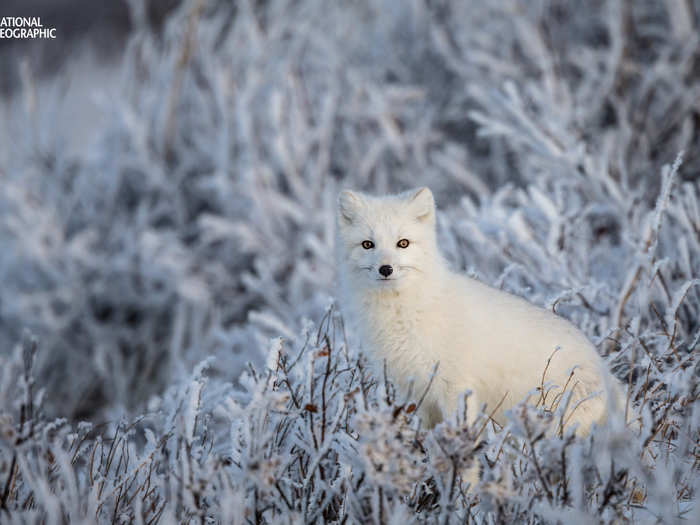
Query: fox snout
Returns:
{"type": "Point", "coordinates": [386, 270]}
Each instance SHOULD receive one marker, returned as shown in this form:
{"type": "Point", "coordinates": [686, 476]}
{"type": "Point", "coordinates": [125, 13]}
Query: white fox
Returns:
{"type": "Point", "coordinates": [414, 312]}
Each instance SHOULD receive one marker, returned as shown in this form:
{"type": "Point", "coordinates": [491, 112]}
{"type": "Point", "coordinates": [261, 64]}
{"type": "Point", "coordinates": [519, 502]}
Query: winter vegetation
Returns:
{"type": "Point", "coordinates": [170, 349]}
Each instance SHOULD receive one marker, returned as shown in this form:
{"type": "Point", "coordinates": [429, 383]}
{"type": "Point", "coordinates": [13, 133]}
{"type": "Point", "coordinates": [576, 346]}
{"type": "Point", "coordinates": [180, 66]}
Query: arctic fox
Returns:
{"type": "Point", "coordinates": [413, 312]}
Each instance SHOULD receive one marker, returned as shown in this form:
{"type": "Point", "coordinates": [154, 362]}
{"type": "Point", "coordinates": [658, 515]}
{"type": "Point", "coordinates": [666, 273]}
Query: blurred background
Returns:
{"type": "Point", "coordinates": [168, 170]}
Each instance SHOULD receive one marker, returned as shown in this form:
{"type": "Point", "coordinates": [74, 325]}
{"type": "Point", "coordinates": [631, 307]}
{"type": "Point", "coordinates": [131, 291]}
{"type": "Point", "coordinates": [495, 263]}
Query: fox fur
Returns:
{"type": "Point", "coordinates": [485, 340]}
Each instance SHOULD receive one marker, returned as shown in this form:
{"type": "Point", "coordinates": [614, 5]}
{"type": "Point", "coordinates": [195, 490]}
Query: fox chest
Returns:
{"type": "Point", "coordinates": [405, 337]}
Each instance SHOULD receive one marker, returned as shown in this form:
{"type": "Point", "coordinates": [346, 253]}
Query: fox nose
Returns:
{"type": "Point", "coordinates": [386, 270]}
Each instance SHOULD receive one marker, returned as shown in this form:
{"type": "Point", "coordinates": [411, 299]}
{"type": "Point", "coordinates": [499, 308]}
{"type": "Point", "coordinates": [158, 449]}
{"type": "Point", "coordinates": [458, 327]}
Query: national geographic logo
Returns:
{"type": "Point", "coordinates": [22, 27]}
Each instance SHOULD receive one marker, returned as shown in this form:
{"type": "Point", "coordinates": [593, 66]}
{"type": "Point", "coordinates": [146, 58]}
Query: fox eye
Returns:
{"type": "Point", "coordinates": [367, 245]}
{"type": "Point", "coordinates": [403, 243]}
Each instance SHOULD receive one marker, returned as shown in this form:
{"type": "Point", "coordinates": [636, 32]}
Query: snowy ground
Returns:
{"type": "Point", "coordinates": [164, 220]}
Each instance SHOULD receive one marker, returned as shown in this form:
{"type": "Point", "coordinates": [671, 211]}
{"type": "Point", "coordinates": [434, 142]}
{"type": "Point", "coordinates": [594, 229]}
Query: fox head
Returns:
{"type": "Point", "coordinates": [387, 242]}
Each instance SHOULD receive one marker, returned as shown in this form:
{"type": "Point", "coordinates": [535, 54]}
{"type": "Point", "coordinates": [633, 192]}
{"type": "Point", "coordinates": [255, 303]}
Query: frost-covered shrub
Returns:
{"type": "Point", "coordinates": [311, 437]}
{"type": "Point", "coordinates": [198, 222]}
{"type": "Point", "coordinates": [199, 218]}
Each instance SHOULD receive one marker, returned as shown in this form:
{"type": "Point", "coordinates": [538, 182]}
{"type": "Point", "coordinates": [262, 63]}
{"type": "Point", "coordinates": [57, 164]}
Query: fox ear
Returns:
{"type": "Point", "coordinates": [349, 203]}
{"type": "Point", "coordinates": [422, 204]}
